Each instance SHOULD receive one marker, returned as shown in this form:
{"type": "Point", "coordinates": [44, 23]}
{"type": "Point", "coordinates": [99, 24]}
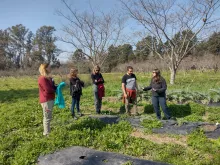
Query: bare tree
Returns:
{"type": "Point", "coordinates": [91, 31]}
{"type": "Point", "coordinates": [175, 23]}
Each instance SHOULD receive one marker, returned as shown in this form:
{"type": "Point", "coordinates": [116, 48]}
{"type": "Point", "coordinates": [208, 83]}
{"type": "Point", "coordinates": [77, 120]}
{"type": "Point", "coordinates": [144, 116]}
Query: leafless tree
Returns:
{"type": "Point", "coordinates": [92, 31]}
{"type": "Point", "coordinates": [164, 19]}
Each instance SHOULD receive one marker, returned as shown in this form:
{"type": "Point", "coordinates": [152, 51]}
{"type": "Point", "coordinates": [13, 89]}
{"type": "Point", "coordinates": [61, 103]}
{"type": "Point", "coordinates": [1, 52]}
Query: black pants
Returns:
{"type": "Point", "coordinates": [160, 101]}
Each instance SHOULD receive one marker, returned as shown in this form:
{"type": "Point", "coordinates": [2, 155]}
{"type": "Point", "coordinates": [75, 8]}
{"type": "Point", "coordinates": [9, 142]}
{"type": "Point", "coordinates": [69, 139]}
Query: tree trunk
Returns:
{"type": "Point", "coordinates": [172, 75]}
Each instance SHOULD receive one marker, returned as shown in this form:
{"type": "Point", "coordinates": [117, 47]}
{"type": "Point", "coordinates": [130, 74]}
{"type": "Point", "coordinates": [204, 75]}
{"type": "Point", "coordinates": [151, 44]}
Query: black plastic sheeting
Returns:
{"type": "Point", "coordinates": [85, 156]}
{"type": "Point", "coordinates": [172, 127]}
{"type": "Point", "coordinates": [214, 134]}
{"type": "Point", "coordinates": [169, 126]}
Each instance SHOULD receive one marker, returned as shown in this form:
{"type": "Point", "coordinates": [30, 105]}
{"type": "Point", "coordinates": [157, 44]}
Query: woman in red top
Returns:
{"type": "Point", "coordinates": [47, 90]}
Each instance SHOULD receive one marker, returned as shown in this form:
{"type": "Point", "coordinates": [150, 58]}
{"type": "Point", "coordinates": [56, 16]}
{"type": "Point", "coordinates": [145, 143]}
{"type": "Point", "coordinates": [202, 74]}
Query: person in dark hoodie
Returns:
{"type": "Point", "coordinates": [98, 88]}
{"type": "Point", "coordinates": [158, 88]}
{"type": "Point", "coordinates": [75, 91]}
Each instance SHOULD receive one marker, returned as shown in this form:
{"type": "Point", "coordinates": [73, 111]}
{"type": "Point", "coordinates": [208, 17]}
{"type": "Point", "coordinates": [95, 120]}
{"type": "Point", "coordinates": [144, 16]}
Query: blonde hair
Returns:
{"type": "Point", "coordinates": [96, 67]}
{"type": "Point", "coordinates": [73, 72]}
{"type": "Point", "coordinates": [43, 69]}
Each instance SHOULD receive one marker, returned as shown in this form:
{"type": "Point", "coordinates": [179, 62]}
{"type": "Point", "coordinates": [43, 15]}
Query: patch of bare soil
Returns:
{"type": "Point", "coordinates": [160, 138]}
{"type": "Point", "coordinates": [111, 99]}
{"type": "Point", "coordinates": [209, 128]}
{"type": "Point", "coordinates": [205, 117]}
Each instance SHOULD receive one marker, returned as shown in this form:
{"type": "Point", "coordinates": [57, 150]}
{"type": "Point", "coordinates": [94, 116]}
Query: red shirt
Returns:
{"type": "Point", "coordinates": [101, 90]}
{"type": "Point", "coordinates": [46, 89]}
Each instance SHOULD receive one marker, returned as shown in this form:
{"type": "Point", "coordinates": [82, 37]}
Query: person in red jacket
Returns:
{"type": "Point", "coordinates": [47, 90]}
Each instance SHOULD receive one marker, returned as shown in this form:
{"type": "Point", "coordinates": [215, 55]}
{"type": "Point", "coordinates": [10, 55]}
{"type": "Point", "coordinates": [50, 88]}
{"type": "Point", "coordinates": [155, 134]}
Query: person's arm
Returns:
{"type": "Point", "coordinates": [148, 87]}
{"type": "Point", "coordinates": [124, 90]}
{"type": "Point", "coordinates": [70, 85]}
{"type": "Point", "coordinates": [123, 87]}
{"type": "Point", "coordinates": [81, 83]}
{"type": "Point", "coordinates": [102, 79]}
{"type": "Point", "coordinates": [136, 85]}
{"type": "Point", "coordinates": [54, 85]}
{"type": "Point", "coordinates": [72, 81]}
{"type": "Point", "coordinates": [164, 87]}
{"type": "Point", "coordinates": [93, 79]}
{"type": "Point", "coordinates": [47, 87]}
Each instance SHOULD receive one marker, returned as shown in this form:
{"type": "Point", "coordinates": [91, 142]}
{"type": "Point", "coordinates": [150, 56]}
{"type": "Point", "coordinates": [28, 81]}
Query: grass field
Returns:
{"type": "Point", "coordinates": [21, 139]}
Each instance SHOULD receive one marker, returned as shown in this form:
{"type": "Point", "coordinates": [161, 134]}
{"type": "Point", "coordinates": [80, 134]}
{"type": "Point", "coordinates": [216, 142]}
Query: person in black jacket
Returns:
{"type": "Point", "coordinates": [158, 88]}
{"type": "Point", "coordinates": [75, 91]}
{"type": "Point", "coordinates": [97, 80]}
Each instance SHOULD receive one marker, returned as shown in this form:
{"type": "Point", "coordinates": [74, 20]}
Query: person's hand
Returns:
{"type": "Point", "coordinates": [95, 80]}
{"type": "Point", "coordinates": [154, 90]}
{"type": "Point", "coordinates": [125, 95]}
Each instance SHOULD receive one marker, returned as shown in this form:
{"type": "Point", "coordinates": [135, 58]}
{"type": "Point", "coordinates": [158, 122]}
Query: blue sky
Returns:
{"type": "Point", "coordinates": [35, 13]}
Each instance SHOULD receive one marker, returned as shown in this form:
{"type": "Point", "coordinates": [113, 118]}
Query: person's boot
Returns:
{"type": "Point", "coordinates": [74, 117]}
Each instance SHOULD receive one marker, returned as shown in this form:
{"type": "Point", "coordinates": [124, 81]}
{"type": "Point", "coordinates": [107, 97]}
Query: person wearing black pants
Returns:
{"type": "Point", "coordinates": [158, 88]}
{"type": "Point", "coordinates": [75, 91]}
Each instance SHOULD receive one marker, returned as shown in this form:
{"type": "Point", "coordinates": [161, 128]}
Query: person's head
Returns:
{"type": "Point", "coordinates": [96, 69]}
{"type": "Point", "coordinates": [129, 70]}
{"type": "Point", "coordinates": [73, 72]}
{"type": "Point", "coordinates": [44, 69]}
{"type": "Point", "coordinates": [156, 74]}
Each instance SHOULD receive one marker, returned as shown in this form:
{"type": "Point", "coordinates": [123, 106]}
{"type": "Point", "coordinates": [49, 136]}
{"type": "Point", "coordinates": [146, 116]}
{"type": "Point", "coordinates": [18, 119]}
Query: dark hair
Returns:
{"type": "Point", "coordinates": [129, 67]}
{"type": "Point", "coordinates": [157, 76]}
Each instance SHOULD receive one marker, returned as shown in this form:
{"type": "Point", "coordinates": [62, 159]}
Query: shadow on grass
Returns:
{"type": "Point", "coordinates": [108, 112]}
{"type": "Point", "coordinates": [122, 109]}
{"type": "Point", "coordinates": [180, 110]}
{"type": "Point", "coordinates": [149, 109]}
{"type": "Point", "coordinates": [13, 95]}
{"type": "Point", "coordinates": [176, 110]}
{"type": "Point", "coordinates": [88, 123]}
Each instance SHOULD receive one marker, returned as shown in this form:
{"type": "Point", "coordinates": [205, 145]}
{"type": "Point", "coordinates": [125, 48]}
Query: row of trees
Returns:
{"type": "Point", "coordinates": [125, 53]}
{"type": "Point", "coordinates": [21, 48]}
{"type": "Point", "coordinates": [172, 30]}
{"type": "Point", "coordinates": [174, 27]}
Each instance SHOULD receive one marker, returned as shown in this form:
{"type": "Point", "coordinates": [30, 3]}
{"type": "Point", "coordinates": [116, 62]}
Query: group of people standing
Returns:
{"type": "Point", "coordinates": [157, 86]}
{"type": "Point", "coordinates": [76, 86]}
{"type": "Point", "coordinates": [47, 89]}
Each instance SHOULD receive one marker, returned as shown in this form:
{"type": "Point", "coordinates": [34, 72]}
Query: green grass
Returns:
{"type": "Point", "coordinates": [21, 139]}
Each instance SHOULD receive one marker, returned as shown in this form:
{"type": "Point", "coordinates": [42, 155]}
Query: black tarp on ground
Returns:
{"type": "Point", "coordinates": [169, 126]}
{"type": "Point", "coordinates": [214, 134]}
{"type": "Point", "coordinates": [172, 127]}
{"type": "Point", "coordinates": [85, 156]}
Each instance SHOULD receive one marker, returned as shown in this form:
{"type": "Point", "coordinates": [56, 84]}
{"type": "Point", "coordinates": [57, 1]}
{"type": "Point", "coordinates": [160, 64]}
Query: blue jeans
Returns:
{"type": "Point", "coordinates": [75, 101]}
{"type": "Point", "coordinates": [157, 100]}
